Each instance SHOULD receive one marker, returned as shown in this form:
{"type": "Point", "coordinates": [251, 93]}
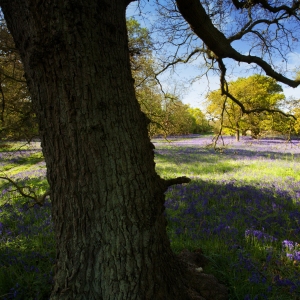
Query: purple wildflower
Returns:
{"type": "Point", "coordinates": [289, 245]}
{"type": "Point", "coordinates": [259, 235]}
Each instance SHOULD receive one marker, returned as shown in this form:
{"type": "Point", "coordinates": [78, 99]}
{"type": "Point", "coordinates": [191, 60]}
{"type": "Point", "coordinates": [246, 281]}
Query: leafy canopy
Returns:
{"type": "Point", "coordinates": [256, 92]}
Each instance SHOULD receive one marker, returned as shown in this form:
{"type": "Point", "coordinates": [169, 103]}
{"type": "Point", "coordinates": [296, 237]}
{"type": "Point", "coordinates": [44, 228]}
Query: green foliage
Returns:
{"type": "Point", "coordinates": [177, 119]}
{"type": "Point", "coordinates": [17, 120]}
{"type": "Point", "coordinates": [296, 112]}
{"type": "Point", "coordinates": [201, 124]}
{"type": "Point", "coordinates": [27, 241]}
{"type": "Point", "coordinates": [168, 115]}
{"type": "Point", "coordinates": [139, 41]}
{"type": "Point", "coordinates": [254, 92]}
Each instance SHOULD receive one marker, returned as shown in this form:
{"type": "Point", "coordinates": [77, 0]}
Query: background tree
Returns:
{"type": "Point", "coordinates": [260, 94]}
{"type": "Point", "coordinates": [143, 71]}
{"type": "Point", "coordinates": [297, 123]}
{"type": "Point", "coordinates": [17, 116]}
{"type": "Point", "coordinates": [167, 114]}
{"type": "Point", "coordinates": [200, 123]}
{"type": "Point", "coordinates": [17, 119]}
{"type": "Point", "coordinates": [177, 119]}
{"type": "Point", "coordinates": [295, 110]}
{"type": "Point", "coordinates": [107, 199]}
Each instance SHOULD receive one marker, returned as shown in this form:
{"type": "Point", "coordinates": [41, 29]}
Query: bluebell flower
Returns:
{"type": "Point", "coordinates": [290, 245]}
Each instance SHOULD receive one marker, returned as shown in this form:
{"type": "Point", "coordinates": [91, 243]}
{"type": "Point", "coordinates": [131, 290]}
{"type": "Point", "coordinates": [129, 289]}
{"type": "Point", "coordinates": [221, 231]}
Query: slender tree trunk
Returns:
{"type": "Point", "coordinates": [2, 119]}
{"type": "Point", "coordinates": [237, 132]}
{"type": "Point", "coordinates": [107, 199]}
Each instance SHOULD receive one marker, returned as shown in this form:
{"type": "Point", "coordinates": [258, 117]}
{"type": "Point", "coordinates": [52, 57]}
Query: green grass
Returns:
{"type": "Point", "coordinates": [207, 165]}
{"type": "Point", "coordinates": [232, 194]}
{"type": "Point", "coordinates": [242, 204]}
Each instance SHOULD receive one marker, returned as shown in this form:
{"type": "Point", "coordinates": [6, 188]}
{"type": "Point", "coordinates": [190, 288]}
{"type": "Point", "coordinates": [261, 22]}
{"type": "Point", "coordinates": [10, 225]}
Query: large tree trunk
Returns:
{"type": "Point", "coordinates": [107, 199]}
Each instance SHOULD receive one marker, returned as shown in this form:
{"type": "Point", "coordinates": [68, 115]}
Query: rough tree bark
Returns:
{"type": "Point", "coordinates": [107, 200]}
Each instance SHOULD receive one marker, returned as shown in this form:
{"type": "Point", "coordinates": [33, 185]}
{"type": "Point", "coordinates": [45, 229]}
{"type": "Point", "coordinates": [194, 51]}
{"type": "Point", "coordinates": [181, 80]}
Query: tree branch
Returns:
{"type": "Point", "coordinates": [239, 103]}
{"type": "Point", "coordinates": [180, 60]}
{"type": "Point", "coordinates": [37, 199]}
{"type": "Point", "coordinates": [291, 10]}
{"type": "Point", "coordinates": [215, 139]}
{"type": "Point", "coordinates": [178, 180]}
{"type": "Point", "coordinates": [201, 24]}
{"type": "Point", "coordinates": [249, 26]}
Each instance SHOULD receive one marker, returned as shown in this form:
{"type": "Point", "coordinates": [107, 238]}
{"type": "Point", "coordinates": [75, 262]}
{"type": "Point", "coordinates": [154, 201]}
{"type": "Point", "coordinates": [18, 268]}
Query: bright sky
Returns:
{"type": "Point", "coordinates": [193, 93]}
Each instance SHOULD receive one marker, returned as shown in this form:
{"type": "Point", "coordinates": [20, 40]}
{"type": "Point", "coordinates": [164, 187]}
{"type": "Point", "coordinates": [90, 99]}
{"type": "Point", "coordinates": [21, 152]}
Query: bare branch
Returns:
{"type": "Point", "coordinates": [178, 180]}
{"type": "Point", "coordinates": [291, 10]}
{"type": "Point", "coordinates": [180, 60]}
{"type": "Point", "coordinates": [249, 27]}
{"type": "Point", "coordinates": [37, 199]}
{"type": "Point", "coordinates": [215, 139]}
{"type": "Point", "coordinates": [201, 24]}
{"type": "Point", "coordinates": [239, 103]}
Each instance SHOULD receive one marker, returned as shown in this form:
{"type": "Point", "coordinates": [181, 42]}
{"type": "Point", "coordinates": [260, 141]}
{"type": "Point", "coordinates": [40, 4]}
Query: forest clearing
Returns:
{"type": "Point", "coordinates": [241, 210]}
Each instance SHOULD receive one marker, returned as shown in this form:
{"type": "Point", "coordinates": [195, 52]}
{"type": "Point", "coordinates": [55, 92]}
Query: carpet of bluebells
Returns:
{"type": "Point", "coordinates": [26, 235]}
{"type": "Point", "coordinates": [241, 208]}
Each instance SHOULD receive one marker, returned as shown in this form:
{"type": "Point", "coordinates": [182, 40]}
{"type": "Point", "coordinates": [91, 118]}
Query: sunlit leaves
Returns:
{"type": "Point", "coordinates": [254, 92]}
{"type": "Point", "coordinates": [17, 120]}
